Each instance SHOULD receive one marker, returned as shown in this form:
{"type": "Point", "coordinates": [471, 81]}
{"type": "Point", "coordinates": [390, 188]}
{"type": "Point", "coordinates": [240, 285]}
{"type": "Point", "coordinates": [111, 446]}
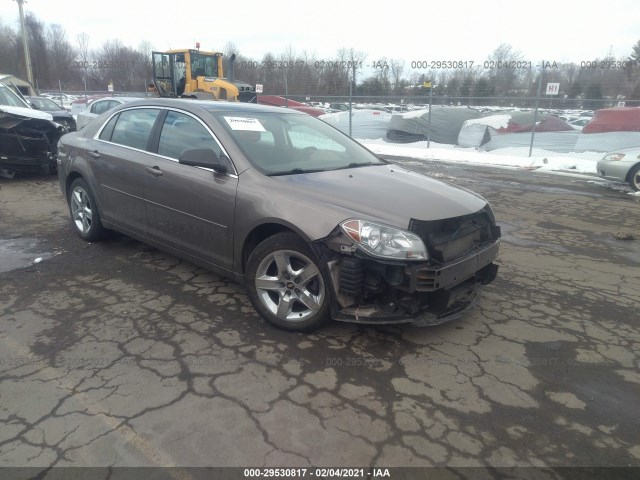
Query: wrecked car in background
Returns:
{"type": "Point", "coordinates": [28, 137]}
{"type": "Point", "coordinates": [59, 114]}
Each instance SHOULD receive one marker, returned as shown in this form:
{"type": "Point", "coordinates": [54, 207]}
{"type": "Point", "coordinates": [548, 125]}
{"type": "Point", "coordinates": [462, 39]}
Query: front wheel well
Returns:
{"type": "Point", "coordinates": [631, 171]}
{"type": "Point", "coordinates": [257, 236]}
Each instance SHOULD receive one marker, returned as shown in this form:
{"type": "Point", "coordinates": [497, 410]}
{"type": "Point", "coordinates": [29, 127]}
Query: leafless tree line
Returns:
{"type": "Point", "coordinates": [72, 64]}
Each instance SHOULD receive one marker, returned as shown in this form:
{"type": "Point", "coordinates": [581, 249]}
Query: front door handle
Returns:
{"type": "Point", "coordinates": [155, 171]}
{"type": "Point", "coordinates": [95, 154]}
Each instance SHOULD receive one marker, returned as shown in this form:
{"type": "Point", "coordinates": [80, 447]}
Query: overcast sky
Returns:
{"type": "Point", "coordinates": [553, 30]}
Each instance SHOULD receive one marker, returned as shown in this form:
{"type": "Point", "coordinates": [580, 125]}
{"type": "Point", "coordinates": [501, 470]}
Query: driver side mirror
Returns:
{"type": "Point", "coordinates": [205, 157]}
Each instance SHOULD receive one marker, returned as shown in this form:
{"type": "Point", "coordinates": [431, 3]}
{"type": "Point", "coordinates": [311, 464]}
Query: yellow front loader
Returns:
{"type": "Point", "coordinates": [197, 74]}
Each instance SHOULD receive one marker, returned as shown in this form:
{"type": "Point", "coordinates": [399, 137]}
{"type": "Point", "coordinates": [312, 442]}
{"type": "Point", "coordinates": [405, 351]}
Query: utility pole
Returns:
{"type": "Point", "coordinates": [535, 112]}
{"type": "Point", "coordinates": [25, 44]}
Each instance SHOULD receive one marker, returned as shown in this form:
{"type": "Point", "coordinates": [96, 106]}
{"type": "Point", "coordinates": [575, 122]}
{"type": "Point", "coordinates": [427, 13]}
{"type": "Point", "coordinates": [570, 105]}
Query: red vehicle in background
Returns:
{"type": "Point", "coordinates": [277, 101]}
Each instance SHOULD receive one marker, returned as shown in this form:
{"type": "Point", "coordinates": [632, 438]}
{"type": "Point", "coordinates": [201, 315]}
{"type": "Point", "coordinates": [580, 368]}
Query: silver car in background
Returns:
{"type": "Point", "coordinates": [316, 226]}
{"type": "Point", "coordinates": [622, 165]}
{"type": "Point", "coordinates": [98, 107]}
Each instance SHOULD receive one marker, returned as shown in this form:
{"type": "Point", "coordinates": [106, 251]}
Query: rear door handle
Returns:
{"type": "Point", "coordinates": [155, 171]}
{"type": "Point", "coordinates": [95, 154]}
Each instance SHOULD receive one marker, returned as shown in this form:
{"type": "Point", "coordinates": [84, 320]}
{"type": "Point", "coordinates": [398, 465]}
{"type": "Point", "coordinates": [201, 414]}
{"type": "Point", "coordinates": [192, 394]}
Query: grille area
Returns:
{"type": "Point", "coordinates": [426, 280]}
{"type": "Point", "coordinates": [452, 238]}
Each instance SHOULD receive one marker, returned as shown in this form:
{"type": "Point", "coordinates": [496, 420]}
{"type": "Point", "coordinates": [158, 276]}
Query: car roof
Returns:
{"type": "Point", "coordinates": [212, 105]}
{"type": "Point", "coordinates": [124, 99]}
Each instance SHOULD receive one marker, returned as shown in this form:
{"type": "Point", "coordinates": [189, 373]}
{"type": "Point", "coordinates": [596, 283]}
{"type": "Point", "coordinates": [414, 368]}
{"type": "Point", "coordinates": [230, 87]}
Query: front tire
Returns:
{"type": "Point", "coordinates": [634, 178]}
{"type": "Point", "coordinates": [287, 284]}
{"type": "Point", "coordinates": [84, 211]}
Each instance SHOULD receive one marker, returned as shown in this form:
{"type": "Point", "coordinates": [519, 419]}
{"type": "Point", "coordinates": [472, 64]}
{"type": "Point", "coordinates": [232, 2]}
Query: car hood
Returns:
{"type": "Point", "coordinates": [388, 193]}
{"type": "Point", "coordinates": [59, 113]}
{"type": "Point", "coordinates": [13, 116]}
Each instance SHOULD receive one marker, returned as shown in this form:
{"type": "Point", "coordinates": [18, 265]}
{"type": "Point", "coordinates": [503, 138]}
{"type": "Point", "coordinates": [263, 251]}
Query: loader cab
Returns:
{"type": "Point", "coordinates": [205, 65]}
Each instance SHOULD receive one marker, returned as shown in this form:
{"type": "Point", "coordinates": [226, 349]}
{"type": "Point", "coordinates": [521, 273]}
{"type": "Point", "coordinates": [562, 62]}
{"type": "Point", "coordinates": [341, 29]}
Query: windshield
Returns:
{"type": "Point", "coordinates": [203, 65]}
{"type": "Point", "coordinates": [282, 144]}
{"type": "Point", "coordinates": [10, 99]}
{"type": "Point", "coordinates": [42, 103]}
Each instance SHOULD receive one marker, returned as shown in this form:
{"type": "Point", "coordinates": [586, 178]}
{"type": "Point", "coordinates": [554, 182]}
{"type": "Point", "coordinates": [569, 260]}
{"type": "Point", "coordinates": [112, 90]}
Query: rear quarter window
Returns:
{"type": "Point", "coordinates": [107, 131]}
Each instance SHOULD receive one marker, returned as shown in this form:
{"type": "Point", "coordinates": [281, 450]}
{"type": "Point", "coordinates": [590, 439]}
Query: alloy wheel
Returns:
{"type": "Point", "coordinates": [290, 285]}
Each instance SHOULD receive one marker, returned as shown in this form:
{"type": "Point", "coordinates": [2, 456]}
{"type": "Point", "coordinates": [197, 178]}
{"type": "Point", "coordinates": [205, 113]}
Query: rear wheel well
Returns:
{"type": "Point", "coordinates": [70, 179]}
{"type": "Point", "coordinates": [257, 236]}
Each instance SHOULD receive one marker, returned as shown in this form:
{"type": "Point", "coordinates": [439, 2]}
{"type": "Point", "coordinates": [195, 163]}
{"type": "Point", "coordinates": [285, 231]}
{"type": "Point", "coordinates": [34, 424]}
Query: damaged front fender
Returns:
{"type": "Point", "coordinates": [28, 140]}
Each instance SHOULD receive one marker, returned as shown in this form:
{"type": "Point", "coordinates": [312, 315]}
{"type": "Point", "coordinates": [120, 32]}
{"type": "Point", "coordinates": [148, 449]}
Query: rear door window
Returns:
{"type": "Point", "coordinates": [133, 127]}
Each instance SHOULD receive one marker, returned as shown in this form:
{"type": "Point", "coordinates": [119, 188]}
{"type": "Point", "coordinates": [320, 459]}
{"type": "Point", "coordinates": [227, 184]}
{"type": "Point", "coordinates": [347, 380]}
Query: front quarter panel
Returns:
{"type": "Point", "coordinates": [261, 200]}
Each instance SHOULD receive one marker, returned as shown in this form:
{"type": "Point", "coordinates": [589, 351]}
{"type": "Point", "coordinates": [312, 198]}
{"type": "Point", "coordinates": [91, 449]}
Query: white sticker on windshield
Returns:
{"type": "Point", "coordinates": [243, 123]}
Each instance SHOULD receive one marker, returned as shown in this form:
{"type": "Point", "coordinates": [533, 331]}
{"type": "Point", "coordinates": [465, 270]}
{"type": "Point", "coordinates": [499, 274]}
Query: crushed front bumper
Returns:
{"type": "Point", "coordinates": [434, 295]}
{"type": "Point", "coordinates": [450, 305]}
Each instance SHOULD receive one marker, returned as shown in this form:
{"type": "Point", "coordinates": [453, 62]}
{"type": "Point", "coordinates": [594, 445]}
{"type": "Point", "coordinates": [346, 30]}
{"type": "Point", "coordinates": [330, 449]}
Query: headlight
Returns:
{"type": "Point", "coordinates": [382, 241]}
{"type": "Point", "coordinates": [613, 157]}
{"type": "Point", "coordinates": [489, 210]}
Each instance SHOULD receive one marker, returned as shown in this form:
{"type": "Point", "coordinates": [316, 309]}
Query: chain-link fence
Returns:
{"type": "Point", "coordinates": [533, 124]}
{"type": "Point", "coordinates": [530, 126]}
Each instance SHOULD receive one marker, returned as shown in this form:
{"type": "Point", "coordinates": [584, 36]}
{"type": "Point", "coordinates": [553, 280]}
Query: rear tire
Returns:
{"type": "Point", "coordinates": [84, 211]}
{"type": "Point", "coordinates": [287, 284]}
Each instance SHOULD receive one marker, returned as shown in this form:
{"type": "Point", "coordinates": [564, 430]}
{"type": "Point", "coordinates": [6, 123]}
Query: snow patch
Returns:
{"type": "Point", "coordinates": [517, 157]}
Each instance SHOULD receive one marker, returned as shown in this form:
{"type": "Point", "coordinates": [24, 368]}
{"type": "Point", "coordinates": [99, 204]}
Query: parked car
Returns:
{"type": "Point", "coordinates": [61, 99]}
{"type": "Point", "coordinates": [59, 114]}
{"type": "Point", "coordinates": [98, 107]}
{"type": "Point", "coordinates": [28, 138]}
{"type": "Point", "coordinates": [315, 225]}
{"type": "Point", "coordinates": [622, 165]}
{"type": "Point", "coordinates": [81, 103]}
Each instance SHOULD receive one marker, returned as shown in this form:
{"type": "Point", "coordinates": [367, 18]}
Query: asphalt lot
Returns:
{"type": "Point", "coordinates": [116, 354]}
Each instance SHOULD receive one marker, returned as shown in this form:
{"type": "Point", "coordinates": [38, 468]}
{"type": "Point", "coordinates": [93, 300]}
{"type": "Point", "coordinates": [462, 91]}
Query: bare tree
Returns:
{"type": "Point", "coordinates": [355, 60]}
{"type": "Point", "coordinates": [504, 69]}
{"type": "Point", "coordinates": [632, 72]}
{"type": "Point", "coordinates": [120, 65]}
{"type": "Point", "coordinates": [60, 56]}
{"type": "Point", "coordinates": [8, 50]}
{"type": "Point", "coordinates": [635, 52]}
{"type": "Point", "coordinates": [145, 51]}
{"type": "Point", "coordinates": [82, 40]}
{"type": "Point", "coordinates": [397, 70]}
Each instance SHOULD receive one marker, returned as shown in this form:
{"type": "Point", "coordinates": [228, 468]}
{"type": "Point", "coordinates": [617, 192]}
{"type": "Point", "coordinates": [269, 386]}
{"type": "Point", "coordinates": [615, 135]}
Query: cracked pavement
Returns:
{"type": "Point", "coordinates": [116, 354]}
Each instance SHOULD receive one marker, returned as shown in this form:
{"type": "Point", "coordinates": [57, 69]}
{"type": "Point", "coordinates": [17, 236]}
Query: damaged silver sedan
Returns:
{"type": "Point", "coordinates": [28, 137]}
{"type": "Point", "coordinates": [316, 226]}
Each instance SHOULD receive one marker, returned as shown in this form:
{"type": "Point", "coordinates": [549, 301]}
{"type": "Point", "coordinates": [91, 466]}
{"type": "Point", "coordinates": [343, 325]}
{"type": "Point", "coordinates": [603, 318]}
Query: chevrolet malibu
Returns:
{"type": "Point", "coordinates": [316, 226]}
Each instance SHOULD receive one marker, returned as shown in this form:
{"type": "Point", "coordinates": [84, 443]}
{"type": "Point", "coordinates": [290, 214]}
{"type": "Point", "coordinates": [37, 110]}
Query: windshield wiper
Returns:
{"type": "Point", "coordinates": [294, 171]}
{"type": "Point", "coordinates": [357, 165]}
{"type": "Point", "coordinates": [314, 170]}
